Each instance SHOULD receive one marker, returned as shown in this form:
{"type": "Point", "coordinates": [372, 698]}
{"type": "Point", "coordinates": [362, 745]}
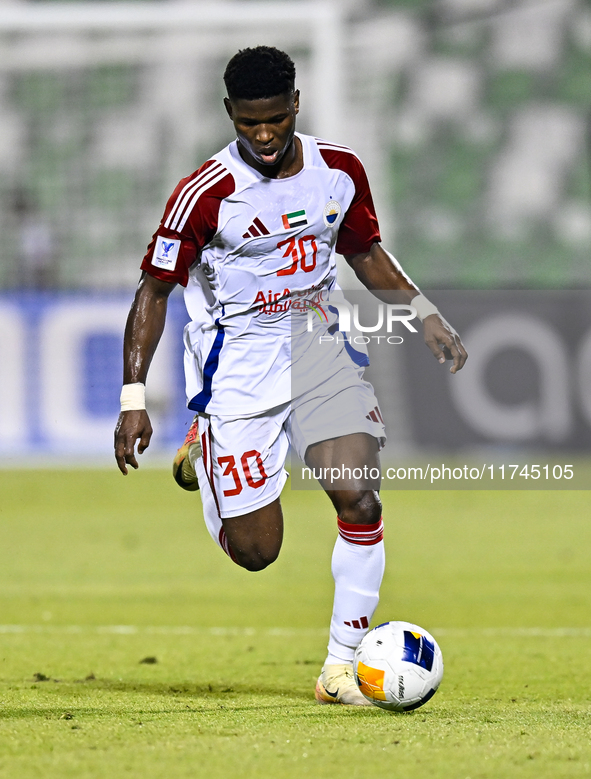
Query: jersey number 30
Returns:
{"type": "Point", "coordinates": [293, 245]}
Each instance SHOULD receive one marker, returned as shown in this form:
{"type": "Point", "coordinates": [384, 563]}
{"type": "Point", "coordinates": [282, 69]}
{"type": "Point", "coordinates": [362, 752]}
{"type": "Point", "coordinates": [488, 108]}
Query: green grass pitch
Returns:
{"type": "Point", "coordinates": [98, 572]}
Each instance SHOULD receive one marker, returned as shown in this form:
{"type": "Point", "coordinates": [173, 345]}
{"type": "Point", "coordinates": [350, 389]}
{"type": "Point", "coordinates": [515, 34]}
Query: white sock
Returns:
{"type": "Point", "coordinates": [358, 562]}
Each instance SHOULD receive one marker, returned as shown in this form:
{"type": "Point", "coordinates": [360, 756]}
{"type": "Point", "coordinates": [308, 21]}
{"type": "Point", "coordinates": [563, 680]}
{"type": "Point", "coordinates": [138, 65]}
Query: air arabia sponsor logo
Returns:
{"type": "Point", "coordinates": [273, 302]}
{"type": "Point", "coordinates": [317, 309]}
{"type": "Point", "coordinates": [309, 300]}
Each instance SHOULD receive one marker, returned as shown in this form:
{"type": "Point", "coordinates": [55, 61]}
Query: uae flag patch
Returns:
{"type": "Point", "coordinates": [295, 219]}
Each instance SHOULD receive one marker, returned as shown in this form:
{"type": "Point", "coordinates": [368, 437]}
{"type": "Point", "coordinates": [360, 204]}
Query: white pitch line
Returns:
{"type": "Point", "coordinates": [192, 630]}
{"type": "Point", "coordinates": [165, 630]}
{"type": "Point", "coordinates": [514, 632]}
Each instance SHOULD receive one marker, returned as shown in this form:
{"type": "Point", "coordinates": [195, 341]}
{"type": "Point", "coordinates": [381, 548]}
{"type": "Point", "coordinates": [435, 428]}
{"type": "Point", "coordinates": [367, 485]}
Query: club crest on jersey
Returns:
{"type": "Point", "coordinates": [294, 219]}
{"type": "Point", "coordinates": [166, 253]}
{"type": "Point", "coordinates": [332, 211]}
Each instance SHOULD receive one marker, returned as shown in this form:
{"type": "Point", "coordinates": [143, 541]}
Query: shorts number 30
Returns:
{"type": "Point", "coordinates": [230, 469]}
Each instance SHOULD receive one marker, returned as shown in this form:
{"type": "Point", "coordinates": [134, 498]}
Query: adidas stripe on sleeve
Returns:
{"type": "Point", "coordinates": [189, 223]}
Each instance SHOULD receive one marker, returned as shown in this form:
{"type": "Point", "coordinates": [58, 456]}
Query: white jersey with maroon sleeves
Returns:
{"type": "Point", "coordinates": [246, 247]}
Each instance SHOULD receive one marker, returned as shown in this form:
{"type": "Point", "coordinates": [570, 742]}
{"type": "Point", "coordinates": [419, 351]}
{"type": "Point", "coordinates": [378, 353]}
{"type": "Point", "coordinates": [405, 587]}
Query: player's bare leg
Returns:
{"type": "Point", "coordinates": [357, 561]}
{"type": "Point", "coordinates": [252, 540]}
{"type": "Point", "coordinates": [255, 539]}
{"type": "Point", "coordinates": [356, 499]}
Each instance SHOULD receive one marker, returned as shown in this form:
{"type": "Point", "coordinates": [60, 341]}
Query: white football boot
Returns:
{"type": "Point", "coordinates": [336, 684]}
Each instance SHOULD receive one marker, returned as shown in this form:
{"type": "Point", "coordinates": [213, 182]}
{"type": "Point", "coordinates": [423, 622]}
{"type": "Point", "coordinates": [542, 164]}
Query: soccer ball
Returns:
{"type": "Point", "coordinates": [398, 666]}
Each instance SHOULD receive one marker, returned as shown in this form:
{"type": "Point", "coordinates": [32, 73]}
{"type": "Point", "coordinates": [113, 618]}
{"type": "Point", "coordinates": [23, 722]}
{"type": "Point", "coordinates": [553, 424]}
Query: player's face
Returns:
{"type": "Point", "coordinates": [265, 127]}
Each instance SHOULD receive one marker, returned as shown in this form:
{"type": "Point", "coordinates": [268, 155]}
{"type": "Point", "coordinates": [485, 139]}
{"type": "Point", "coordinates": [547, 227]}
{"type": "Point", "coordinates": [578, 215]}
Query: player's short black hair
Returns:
{"type": "Point", "coordinates": [257, 73]}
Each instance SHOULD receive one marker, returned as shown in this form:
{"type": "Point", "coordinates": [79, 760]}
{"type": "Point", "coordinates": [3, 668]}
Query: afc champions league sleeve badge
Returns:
{"type": "Point", "coordinates": [331, 213]}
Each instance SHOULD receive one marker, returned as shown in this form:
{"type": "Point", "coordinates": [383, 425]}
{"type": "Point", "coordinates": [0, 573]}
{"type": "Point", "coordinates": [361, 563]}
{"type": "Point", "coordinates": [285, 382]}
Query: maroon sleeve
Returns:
{"type": "Point", "coordinates": [359, 229]}
{"type": "Point", "coordinates": [189, 223]}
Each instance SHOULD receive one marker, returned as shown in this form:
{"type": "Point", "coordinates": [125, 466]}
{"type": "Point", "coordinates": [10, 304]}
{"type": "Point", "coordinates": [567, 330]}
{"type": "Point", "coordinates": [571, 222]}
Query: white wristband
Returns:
{"type": "Point", "coordinates": [423, 307]}
{"type": "Point", "coordinates": [133, 397]}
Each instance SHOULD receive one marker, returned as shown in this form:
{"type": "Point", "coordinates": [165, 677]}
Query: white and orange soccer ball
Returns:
{"type": "Point", "coordinates": [398, 666]}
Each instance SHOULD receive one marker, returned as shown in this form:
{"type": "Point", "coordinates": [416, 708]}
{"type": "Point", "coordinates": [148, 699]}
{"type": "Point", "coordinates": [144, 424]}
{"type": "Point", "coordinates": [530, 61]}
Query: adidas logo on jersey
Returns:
{"type": "Point", "coordinates": [256, 229]}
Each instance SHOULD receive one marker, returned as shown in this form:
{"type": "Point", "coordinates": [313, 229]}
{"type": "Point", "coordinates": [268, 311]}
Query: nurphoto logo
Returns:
{"type": "Point", "coordinates": [347, 321]}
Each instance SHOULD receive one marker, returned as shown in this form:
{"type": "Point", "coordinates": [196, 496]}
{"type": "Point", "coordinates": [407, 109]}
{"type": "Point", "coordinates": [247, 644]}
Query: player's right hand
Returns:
{"type": "Point", "coordinates": [131, 425]}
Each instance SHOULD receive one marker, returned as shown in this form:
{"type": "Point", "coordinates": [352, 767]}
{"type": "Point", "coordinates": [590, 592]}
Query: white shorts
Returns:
{"type": "Point", "coordinates": [243, 460]}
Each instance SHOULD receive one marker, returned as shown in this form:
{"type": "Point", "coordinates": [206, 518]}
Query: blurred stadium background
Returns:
{"type": "Point", "coordinates": [472, 117]}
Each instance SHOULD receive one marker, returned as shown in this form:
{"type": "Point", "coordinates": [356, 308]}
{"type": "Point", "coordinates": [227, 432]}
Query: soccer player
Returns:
{"type": "Point", "coordinates": [249, 235]}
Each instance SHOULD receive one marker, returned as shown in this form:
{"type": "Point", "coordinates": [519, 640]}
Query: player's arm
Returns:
{"type": "Point", "coordinates": [380, 272]}
{"type": "Point", "coordinates": [143, 331]}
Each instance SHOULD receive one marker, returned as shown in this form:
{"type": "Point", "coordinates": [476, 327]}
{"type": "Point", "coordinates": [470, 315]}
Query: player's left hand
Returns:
{"type": "Point", "coordinates": [444, 342]}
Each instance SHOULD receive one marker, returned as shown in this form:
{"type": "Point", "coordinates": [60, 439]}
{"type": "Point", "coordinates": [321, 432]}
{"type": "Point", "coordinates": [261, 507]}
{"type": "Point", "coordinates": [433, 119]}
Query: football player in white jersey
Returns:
{"type": "Point", "coordinates": [252, 237]}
